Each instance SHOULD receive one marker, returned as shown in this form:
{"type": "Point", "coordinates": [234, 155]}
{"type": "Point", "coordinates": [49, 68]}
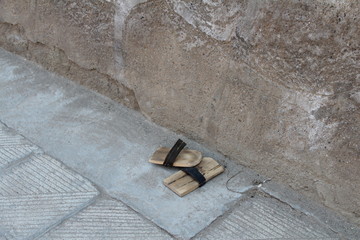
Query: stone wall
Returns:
{"type": "Point", "coordinates": [274, 85]}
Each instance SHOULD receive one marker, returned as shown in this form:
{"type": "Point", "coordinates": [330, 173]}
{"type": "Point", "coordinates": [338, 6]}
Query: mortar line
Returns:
{"type": "Point", "coordinates": [299, 210]}
{"type": "Point", "coordinates": [29, 142]}
{"type": "Point", "coordinates": [79, 209]}
{"type": "Point", "coordinates": [243, 197]}
{"type": "Point", "coordinates": [16, 163]}
{"type": "Point", "coordinates": [105, 195]}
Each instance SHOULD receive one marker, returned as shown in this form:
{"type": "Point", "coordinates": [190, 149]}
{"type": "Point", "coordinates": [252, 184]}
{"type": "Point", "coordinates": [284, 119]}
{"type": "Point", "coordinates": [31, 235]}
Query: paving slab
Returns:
{"type": "Point", "coordinates": [9, 138]}
{"type": "Point", "coordinates": [38, 193]}
{"type": "Point", "coordinates": [296, 201]}
{"type": "Point", "coordinates": [33, 195]}
{"type": "Point", "coordinates": [108, 144]}
{"type": "Point", "coordinates": [107, 219]}
{"type": "Point", "coordinates": [301, 203]}
{"type": "Point", "coordinates": [13, 147]}
{"type": "Point", "coordinates": [263, 217]}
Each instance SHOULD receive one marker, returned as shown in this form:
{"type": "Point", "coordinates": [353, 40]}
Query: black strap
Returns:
{"type": "Point", "coordinates": [173, 153]}
{"type": "Point", "coordinates": [195, 174]}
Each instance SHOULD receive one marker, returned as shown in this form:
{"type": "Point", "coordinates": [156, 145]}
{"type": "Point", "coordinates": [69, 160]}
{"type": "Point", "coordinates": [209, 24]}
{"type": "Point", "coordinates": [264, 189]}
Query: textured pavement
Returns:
{"type": "Point", "coordinates": [73, 165]}
{"type": "Point", "coordinates": [36, 191]}
{"type": "Point", "coordinates": [106, 219]}
{"type": "Point", "coordinates": [266, 218]}
{"type": "Point", "coordinates": [39, 195]}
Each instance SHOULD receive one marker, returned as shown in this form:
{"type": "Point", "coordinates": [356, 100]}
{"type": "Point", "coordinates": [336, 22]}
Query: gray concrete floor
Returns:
{"type": "Point", "coordinates": [73, 165]}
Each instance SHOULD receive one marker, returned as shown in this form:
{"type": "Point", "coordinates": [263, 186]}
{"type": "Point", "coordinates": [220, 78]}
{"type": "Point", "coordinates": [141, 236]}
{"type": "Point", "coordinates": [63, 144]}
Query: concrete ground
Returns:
{"type": "Point", "coordinates": [73, 165]}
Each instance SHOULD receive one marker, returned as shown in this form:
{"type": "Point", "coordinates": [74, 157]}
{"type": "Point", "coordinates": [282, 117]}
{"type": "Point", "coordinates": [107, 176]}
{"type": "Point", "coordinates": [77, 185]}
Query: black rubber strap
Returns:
{"type": "Point", "coordinates": [195, 174]}
{"type": "Point", "coordinates": [173, 153]}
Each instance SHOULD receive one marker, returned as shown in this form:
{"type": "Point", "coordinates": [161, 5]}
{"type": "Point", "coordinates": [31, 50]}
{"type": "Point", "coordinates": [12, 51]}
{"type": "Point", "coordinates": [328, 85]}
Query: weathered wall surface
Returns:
{"type": "Point", "coordinates": [272, 84]}
{"type": "Point", "coordinates": [73, 38]}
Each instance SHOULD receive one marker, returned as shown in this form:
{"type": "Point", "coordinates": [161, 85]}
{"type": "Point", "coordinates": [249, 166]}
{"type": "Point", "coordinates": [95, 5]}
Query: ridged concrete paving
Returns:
{"type": "Point", "coordinates": [13, 147]}
{"type": "Point", "coordinates": [36, 191]}
{"type": "Point", "coordinates": [42, 198]}
{"type": "Point", "coordinates": [266, 218]}
{"type": "Point", "coordinates": [107, 219]}
{"type": "Point", "coordinates": [108, 146]}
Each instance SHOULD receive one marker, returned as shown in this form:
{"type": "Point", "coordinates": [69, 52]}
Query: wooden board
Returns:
{"type": "Point", "coordinates": [182, 184]}
{"type": "Point", "coordinates": [186, 158]}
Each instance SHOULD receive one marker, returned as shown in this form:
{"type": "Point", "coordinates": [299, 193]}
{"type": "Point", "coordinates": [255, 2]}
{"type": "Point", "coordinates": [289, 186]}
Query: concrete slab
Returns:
{"type": "Point", "coordinates": [13, 147]}
{"type": "Point", "coordinates": [299, 202]}
{"type": "Point", "coordinates": [108, 144]}
{"type": "Point", "coordinates": [9, 138]}
{"type": "Point", "coordinates": [38, 193]}
{"type": "Point", "coordinates": [107, 219]}
{"type": "Point", "coordinates": [263, 217]}
{"type": "Point", "coordinates": [338, 224]}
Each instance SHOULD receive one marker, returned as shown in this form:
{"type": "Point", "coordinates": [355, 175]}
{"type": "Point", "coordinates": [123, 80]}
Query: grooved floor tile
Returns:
{"type": "Point", "coordinates": [38, 194]}
{"type": "Point", "coordinates": [12, 154]}
{"type": "Point", "coordinates": [9, 138]}
{"type": "Point", "coordinates": [107, 219]}
{"type": "Point", "coordinates": [13, 147]}
{"type": "Point", "coordinates": [266, 218]}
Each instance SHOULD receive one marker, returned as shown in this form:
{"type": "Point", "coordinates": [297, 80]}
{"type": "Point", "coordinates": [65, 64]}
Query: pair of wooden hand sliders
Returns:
{"type": "Point", "coordinates": [194, 172]}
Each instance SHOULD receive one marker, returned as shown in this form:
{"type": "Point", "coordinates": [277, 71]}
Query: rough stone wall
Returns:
{"type": "Point", "coordinates": [274, 85]}
{"type": "Point", "coordinates": [75, 39]}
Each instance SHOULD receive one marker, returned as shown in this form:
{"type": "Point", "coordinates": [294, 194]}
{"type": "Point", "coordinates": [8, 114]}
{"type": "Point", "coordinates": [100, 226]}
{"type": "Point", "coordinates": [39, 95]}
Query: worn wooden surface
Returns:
{"type": "Point", "coordinates": [182, 184]}
{"type": "Point", "coordinates": [186, 158]}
